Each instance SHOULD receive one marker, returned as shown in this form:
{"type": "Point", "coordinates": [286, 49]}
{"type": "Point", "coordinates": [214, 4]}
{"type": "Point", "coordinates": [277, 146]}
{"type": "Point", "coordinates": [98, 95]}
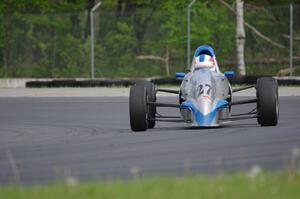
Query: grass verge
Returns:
{"type": "Point", "coordinates": [239, 185]}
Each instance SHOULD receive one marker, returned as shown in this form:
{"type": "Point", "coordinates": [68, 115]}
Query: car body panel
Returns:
{"type": "Point", "coordinates": [205, 95]}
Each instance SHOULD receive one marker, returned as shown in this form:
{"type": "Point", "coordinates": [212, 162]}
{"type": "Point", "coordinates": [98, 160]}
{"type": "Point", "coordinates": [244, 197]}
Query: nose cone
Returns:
{"type": "Point", "coordinates": [204, 113]}
{"type": "Point", "coordinates": [204, 104]}
{"type": "Point", "coordinates": [201, 98]}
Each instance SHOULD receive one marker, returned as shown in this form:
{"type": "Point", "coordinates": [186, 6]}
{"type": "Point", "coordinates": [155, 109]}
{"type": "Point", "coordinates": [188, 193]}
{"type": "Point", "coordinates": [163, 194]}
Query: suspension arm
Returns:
{"type": "Point", "coordinates": [164, 104]}
{"type": "Point", "coordinates": [242, 88]}
{"type": "Point", "coordinates": [168, 91]}
{"type": "Point", "coordinates": [243, 102]}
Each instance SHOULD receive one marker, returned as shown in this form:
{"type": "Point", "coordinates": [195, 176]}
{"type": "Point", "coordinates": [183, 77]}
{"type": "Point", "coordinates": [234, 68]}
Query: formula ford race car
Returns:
{"type": "Point", "coordinates": [205, 97]}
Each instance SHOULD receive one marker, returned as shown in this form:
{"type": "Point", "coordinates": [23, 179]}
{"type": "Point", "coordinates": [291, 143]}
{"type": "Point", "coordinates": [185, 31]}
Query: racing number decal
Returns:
{"type": "Point", "coordinates": [202, 89]}
{"type": "Point", "coordinates": [209, 88]}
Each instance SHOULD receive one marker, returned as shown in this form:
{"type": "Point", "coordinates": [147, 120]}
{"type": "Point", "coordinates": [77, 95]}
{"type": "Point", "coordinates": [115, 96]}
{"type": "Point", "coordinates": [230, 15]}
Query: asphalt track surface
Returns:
{"type": "Point", "coordinates": [46, 139]}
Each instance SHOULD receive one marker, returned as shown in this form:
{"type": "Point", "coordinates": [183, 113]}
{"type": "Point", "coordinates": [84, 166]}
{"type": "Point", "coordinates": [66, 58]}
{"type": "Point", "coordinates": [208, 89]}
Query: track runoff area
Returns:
{"type": "Point", "coordinates": [49, 134]}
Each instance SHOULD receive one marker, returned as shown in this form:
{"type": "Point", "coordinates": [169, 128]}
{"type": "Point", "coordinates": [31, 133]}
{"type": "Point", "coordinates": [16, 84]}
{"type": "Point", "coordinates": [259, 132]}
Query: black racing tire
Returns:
{"type": "Point", "coordinates": [257, 96]}
{"type": "Point", "coordinates": [267, 101]}
{"type": "Point", "coordinates": [151, 91]}
{"type": "Point", "coordinates": [180, 97]}
{"type": "Point", "coordinates": [138, 111]}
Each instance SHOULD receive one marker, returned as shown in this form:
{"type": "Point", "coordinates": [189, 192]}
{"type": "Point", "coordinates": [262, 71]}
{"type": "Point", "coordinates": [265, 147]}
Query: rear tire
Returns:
{"type": "Point", "coordinates": [138, 111]}
{"type": "Point", "coordinates": [267, 101]}
{"type": "Point", "coordinates": [151, 92]}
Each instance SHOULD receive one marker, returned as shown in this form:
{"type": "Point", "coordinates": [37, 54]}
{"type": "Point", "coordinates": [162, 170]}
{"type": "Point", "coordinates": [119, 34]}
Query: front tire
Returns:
{"type": "Point", "coordinates": [267, 101]}
{"type": "Point", "coordinates": [151, 92]}
{"type": "Point", "coordinates": [138, 110]}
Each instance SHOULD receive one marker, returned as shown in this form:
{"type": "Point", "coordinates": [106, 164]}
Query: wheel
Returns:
{"type": "Point", "coordinates": [138, 111]}
{"type": "Point", "coordinates": [151, 98]}
{"type": "Point", "coordinates": [256, 86]}
{"type": "Point", "coordinates": [180, 97]}
{"type": "Point", "coordinates": [267, 101]}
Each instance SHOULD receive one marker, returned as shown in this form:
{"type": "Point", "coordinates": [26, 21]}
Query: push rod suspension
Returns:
{"type": "Point", "coordinates": [163, 104]}
{"type": "Point", "coordinates": [239, 118]}
{"type": "Point", "coordinates": [242, 88]}
{"type": "Point", "coordinates": [243, 102]}
{"type": "Point", "coordinates": [168, 91]}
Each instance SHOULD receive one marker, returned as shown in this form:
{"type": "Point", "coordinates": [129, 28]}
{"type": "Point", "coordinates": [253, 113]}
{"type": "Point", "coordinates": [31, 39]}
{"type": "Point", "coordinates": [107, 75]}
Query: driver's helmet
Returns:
{"type": "Point", "coordinates": [204, 61]}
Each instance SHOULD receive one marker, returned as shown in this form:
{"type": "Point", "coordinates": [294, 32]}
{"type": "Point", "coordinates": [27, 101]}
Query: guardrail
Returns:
{"type": "Point", "coordinates": [158, 81]}
{"type": "Point", "coordinates": [54, 83]}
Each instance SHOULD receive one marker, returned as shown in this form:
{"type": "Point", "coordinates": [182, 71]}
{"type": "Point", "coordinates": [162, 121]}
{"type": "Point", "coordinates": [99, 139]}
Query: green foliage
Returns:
{"type": "Point", "coordinates": [45, 38]}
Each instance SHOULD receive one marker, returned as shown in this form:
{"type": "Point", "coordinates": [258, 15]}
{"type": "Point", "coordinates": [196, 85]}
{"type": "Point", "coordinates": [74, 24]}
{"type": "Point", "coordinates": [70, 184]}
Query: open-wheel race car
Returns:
{"type": "Point", "coordinates": [205, 97]}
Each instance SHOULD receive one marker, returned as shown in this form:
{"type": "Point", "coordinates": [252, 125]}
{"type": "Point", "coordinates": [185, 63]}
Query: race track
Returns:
{"type": "Point", "coordinates": [45, 139]}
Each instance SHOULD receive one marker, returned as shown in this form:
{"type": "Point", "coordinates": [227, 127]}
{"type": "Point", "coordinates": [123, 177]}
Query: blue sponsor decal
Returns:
{"type": "Point", "coordinates": [180, 75]}
{"type": "Point", "coordinates": [202, 58]}
{"type": "Point", "coordinates": [204, 120]}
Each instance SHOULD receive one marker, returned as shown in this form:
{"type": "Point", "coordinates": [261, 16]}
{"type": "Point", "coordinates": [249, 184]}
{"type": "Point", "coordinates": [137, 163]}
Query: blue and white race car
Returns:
{"type": "Point", "coordinates": [205, 97]}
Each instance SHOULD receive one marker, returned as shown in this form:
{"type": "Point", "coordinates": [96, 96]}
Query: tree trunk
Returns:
{"type": "Point", "coordinates": [240, 36]}
{"type": "Point", "coordinates": [167, 62]}
{"type": "Point", "coordinates": [119, 8]}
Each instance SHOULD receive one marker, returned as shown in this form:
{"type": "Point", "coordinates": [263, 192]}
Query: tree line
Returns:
{"type": "Point", "coordinates": [46, 38]}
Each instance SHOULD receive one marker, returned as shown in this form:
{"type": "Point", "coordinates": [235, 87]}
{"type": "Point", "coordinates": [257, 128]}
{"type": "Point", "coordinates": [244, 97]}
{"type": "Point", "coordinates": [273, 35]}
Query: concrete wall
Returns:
{"type": "Point", "coordinates": [17, 82]}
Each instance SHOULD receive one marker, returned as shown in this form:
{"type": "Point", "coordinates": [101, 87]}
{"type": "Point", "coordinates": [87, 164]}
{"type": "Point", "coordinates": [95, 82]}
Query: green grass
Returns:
{"type": "Point", "coordinates": [265, 185]}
